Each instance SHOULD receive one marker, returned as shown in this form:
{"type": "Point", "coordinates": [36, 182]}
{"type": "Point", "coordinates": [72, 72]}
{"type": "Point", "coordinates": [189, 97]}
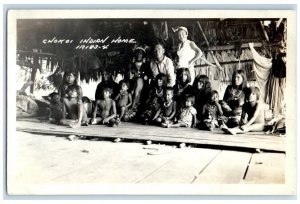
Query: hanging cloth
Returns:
{"type": "Point", "coordinates": [262, 69]}
{"type": "Point", "coordinates": [271, 87]}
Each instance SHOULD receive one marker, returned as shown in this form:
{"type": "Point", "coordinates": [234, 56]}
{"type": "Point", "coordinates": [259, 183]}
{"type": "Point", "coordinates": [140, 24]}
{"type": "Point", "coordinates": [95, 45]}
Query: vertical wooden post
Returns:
{"type": "Point", "coordinates": [33, 73]}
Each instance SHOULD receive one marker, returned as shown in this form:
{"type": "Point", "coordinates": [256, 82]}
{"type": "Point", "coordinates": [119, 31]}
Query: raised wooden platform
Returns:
{"type": "Point", "coordinates": [133, 131]}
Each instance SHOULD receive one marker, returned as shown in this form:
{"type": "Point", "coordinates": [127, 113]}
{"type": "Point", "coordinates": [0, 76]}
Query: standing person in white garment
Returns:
{"type": "Point", "coordinates": [188, 52]}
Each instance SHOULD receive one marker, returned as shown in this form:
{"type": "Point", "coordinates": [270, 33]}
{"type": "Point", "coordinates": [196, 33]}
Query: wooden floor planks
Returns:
{"type": "Point", "coordinates": [267, 168]}
{"type": "Point", "coordinates": [181, 135]}
{"type": "Point", "coordinates": [228, 167]}
{"type": "Point", "coordinates": [183, 167]}
{"type": "Point", "coordinates": [55, 160]}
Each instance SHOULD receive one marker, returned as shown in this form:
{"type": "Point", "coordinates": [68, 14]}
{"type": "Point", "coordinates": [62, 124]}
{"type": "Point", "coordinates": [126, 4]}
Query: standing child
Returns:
{"type": "Point", "coordinates": [107, 110]}
{"type": "Point", "coordinates": [211, 112]}
{"type": "Point", "coordinates": [252, 114]}
{"type": "Point", "coordinates": [155, 100]}
{"type": "Point", "coordinates": [73, 108]}
{"type": "Point", "coordinates": [123, 99]}
{"type": "Point", "coordinates": [167, 112]}
{"type": "Point", "coordinates": [187, 114]}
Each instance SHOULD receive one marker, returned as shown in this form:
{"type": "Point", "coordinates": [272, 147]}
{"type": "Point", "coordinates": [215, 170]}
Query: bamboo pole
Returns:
{"type": "Point", "coordinates": [264, 30]}
{"type": "Point", "coordinates": [224, 63]}
{"type": "Point", "coordinates": [207, 43]}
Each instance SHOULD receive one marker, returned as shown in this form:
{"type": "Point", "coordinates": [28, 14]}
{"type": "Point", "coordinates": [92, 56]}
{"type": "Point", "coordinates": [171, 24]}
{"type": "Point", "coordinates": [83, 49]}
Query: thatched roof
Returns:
{"type": "Point", "coordinates": [223, 35]}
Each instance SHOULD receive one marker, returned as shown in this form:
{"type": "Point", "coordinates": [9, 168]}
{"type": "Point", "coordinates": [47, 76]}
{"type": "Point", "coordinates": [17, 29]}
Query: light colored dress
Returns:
{"type": "Point", "coordinates": [186, 116]}
{"type": "Point", "coordinates": [185, 54]}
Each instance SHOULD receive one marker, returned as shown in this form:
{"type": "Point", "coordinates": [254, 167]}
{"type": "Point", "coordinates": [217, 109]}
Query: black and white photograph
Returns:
{"type": "Point", "coordinates": [151, 102]}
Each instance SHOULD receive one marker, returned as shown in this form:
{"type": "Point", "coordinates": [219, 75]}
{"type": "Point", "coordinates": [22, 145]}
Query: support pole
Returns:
{"type": "Point", "coordinates": [207, 43]}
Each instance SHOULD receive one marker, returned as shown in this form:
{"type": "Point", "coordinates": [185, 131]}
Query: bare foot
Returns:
{"type": "Point", "coordinates": [76, 125]}
{"type": "Point", "coordinates": [226, 130]}
{"type": "Point", "coordinates": [165, 125]}
{"type": "Point", "coordinates": [93, 122]}
{"type": "Point", "coordinates": [232, 131]}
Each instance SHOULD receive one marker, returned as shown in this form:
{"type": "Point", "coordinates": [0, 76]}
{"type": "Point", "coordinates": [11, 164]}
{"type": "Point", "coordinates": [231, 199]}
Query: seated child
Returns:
{"type": "Point", "coordinates": [187, 114]}
{"type": "Point", "coordinates": [55, 108]}
{"type": "Point", "coordinates": [252, 118]}
{"type": "Point", "coordinates": [123, 99]}
{"type": "Point", "coordinates": [211, 112]}
{"type": "Point", "coordinates": [73, 109]}
{"type": "Point", "coordinates": [107, 110]}
{"type": "Point", "coordinates": [167, 112]}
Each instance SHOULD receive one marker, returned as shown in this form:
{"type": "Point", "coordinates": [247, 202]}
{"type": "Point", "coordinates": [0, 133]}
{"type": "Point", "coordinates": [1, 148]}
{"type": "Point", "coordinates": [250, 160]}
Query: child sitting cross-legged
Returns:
{"type": "Point", "coordinates": [252, 118]}
{"type": "Point", "coordinates": [211, 116]}
{"type": "Point", "coordinates": [168, 109]}
{"type": "Point", "coordinates": [73, 109]}
{"type": "Point", "coordinates": [123, 99]}
{"type": "Point", "coordinates": [187, 114]}
{"type": "Point", "coordinates": [107, 110]}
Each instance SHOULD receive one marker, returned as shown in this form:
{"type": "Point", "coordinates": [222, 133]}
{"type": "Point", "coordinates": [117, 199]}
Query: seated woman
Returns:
{"type": "Point", "coordinates": [70, 81]}
{"type": "Point", "coordinates": [252, 118]}
{"type": "Point", "coordinates": [142, 66]}
{"type": "Point", "coordinates": [201, 91]}
{"type": "Point", "coordinates": [233, 99]}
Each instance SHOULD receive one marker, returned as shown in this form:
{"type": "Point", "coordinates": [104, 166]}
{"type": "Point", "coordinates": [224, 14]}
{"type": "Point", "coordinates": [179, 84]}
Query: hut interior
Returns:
{"type": "Point", "coordinates": [46, 48]}
{"type": "Point", "coordinates": [89, 46]}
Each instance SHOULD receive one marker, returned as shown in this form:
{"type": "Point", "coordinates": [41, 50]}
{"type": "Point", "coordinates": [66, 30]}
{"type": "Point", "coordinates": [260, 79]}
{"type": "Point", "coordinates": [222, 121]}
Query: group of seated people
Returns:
{"type": "Point", "coordinates": [152, 101]}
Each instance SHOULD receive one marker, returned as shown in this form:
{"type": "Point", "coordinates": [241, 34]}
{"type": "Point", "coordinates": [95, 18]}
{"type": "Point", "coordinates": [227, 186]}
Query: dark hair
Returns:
{"type": "Point", "coordinates": [136, 51]}
{"type": "Point", "coordinates": [110, 90]}
{"type": "Point", "coordinates": [109, 74]}
{"type": "Point", "coordinates": [134, 71]}
{"type": "Point", "coordinates": [73, 88]}
{"type": "Point", "coordinates": [68, 73]}
{"type": "Point", "coordinates": [190, 98]}
{"type": "Point", "coordinates": [158, 43]}
{"type": "Point", "coordinates": [124, 82]}
{"type": "Point", "coordinates": [242, 73]}
{"type": "Point", "coordinates": [169, 89]}
{"type": "Point", "coordinates": [180, 74]}
{"type": "Point", "coordinates": [51, 95]}
{"type": "Point", "coordinates": [204, 79]}
{"type": "Point", "coordinates": [162, 77]}
{"type": "Point", "coordinates": [250, 90]}
{"type": "Point", "coordinates": [211, 93]}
